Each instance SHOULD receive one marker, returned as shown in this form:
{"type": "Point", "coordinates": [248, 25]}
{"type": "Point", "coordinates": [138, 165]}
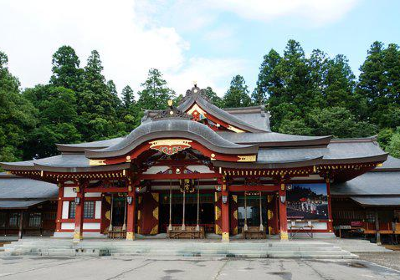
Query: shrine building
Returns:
{"type": "Point", "coordinates": [196, 171]}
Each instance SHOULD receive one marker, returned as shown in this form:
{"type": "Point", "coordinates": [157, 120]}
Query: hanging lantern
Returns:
{"type": "Point", "coordinates": [129, 199]}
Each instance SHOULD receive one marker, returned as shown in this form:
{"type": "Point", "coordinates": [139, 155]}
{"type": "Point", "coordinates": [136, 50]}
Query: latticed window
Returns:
{"type": "Point", "coordinates": [35, 220]}
{"type": "Point", "coordinates": [14, 219]}
{"type": "Point", "coordinates": [88, 211]}
{"type": "Point", "coordinates": [2, 219]}
{"type": "Point", "coordinates": [72, 207]}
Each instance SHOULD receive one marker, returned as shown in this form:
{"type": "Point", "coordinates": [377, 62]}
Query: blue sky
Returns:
{"type": "Point", "coordinates": [206, 41]}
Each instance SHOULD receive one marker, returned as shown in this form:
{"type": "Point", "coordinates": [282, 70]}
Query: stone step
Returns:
{"type": "Point", "coordinates": [276, 249]}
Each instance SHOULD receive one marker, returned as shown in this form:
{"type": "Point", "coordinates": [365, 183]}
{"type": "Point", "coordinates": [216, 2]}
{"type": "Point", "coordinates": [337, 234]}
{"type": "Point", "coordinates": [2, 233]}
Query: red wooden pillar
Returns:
{"type": "Point", "coordinates": [130, 225]}
{"type": "Point", "coordinates": [225, 212]}
{"type": "Point", "coordinates": [59, 206]}
{"type": "Point", "coordinates": [328, 192]}
{"type": "Point", "coordinates": [79, 206]}
{"type": "Point", "coordinates": [282, 212]}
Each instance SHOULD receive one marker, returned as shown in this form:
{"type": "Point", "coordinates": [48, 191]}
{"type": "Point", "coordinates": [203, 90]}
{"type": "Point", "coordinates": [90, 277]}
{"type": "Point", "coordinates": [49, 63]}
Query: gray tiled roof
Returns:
{"type": "Point", "coordinates": [271, 137]}
{"type": "Point", "coordinates": [371, 183]}
{"type": "Point", "coordinates": [90, 145]}
{"type": "Point", "coordinates": [24, 188]}
{"type": "Point", "coordinates": [289, 155]}
{"type": "Point", "coordinates": [173, 127]}
{"type": "Point", "coordinates": [377, 201]}
{"type": "Point", "coordinates": [19, 204]}
{"type": "Point", "coordinates": [351, 149]}
{"type": "Point", "coordinates": [219, 113]}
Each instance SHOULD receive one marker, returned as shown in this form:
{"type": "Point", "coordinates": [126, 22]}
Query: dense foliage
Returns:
{"type": "Point", "coordinates": [312, 95]}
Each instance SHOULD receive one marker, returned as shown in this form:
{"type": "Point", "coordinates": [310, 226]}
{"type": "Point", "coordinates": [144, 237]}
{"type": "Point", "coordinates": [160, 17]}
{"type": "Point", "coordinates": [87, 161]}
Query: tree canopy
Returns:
{"type": "Point", "coordinates": [311, 94]}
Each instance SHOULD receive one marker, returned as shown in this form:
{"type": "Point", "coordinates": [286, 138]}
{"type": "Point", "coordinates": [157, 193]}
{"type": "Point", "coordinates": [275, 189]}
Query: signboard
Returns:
{"type": "Point", "coordinates": [307, 202]}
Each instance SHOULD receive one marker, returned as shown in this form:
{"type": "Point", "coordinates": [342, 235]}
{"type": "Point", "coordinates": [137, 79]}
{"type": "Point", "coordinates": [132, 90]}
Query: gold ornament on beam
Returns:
{"type": "Point", "coordinates": [186, 185]}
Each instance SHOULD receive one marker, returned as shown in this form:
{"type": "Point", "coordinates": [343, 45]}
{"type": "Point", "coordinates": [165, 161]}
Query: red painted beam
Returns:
{"type": "Point", "coordinates": [179, 176]}
{"type": "Point", "coordinates": [253, 188]}
{"type": "Point", "coordinates": [110, 189]}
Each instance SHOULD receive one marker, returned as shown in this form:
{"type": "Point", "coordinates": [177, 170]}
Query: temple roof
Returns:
{"type": "Point", "coordinates": [271, 139]}
{"type": "Point", "coordinates": [196, 96]}
{"type": "Point", "coordinates": [170, 128]}
{"type": "Point", "coordinates": [20, 193]}
{"type": "Point", "coordinates": [382, 181]}
{"type": "Point", "coordinates": [88, 145]}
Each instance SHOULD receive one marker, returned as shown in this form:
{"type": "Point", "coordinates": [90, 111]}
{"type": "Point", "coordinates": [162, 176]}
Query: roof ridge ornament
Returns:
{"type": "Point", "coordinates": [171, 112]}
{"type": "Point", "coordinates": [195, 92]}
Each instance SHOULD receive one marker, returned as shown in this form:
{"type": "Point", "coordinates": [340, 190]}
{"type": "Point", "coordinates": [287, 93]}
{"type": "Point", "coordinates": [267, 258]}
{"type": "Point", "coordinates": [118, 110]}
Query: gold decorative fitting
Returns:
{"type": "Point", "coordinates": [235, 129]}
{"type": "Point", "coordinates": [170, 146]}
{"type": "Point", "coordinates": [247, 158]}
{"type": "Point", "coordinates": [128, 158]}
{"type": "Point", "coordinates": [95, 162]}
{"type": "Point", "coordinates": [170, 102]}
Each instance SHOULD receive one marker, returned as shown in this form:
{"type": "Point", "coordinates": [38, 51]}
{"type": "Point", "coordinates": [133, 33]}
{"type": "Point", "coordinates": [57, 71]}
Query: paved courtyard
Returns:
{"type": "Point", "coordinates": [188, 268]}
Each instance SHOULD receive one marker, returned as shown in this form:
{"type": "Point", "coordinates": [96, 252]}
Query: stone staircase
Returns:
{"type": "Point", "coordinates": [181, 248]}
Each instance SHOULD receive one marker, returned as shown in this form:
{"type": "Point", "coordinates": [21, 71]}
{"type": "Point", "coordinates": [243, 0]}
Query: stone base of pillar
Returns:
{"type": "Point", "coordinates": [130, 236]}
{"type": "Point", "coordinates": [225, 237]}
{"type": "Point", "coordinates": [284, 236]}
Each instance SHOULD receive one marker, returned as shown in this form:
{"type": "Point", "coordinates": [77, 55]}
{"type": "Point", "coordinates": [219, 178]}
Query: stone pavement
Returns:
{"type": "Point", "coordinates": [108, 268]}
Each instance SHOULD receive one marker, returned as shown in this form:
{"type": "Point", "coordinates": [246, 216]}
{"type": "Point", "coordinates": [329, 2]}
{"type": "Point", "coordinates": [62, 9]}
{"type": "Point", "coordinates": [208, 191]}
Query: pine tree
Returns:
{"type": "Point", "coordinates": [268, 80]}
{"type": "Point", "coordinates": [96, 104]}
{"type": "Point", "coordinates": [128, 97]}
{"type": "Point", "coordinates": [66, 71]}
{"type": "Point", "coordinates": [155, 92]}
{"type": "Point", "coordinates": [237, 94]}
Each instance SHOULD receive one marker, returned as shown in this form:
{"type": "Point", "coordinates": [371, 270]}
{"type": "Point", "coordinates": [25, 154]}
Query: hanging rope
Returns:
{"type": "Point", "coordinates": [245, 228]}
{"type": "Point", "coordinates": [183, 212]}
{"type": "Point", "coordinates": [198, 205]}
{"type": "Point", "coordinates": [124, 225]}
{"type": "Point", "coordinates": [110, 228]}
{"type": "Point", "coordinates": [170, 206]}
{"type": "Point", "coordinates": [261, 219]}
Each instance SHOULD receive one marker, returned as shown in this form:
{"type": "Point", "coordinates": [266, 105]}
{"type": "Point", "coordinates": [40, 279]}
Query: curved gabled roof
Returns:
{"type": "Point", "coordinates": [194, 96]}
{"type": "Point", "coordinates": [273, 139]}
{"type": "Point", "coordinates": [88, 145]}
{"type": "Point", "coordinates": [175, 128]}
{"type": "Point", "coordinates": [61, 163]}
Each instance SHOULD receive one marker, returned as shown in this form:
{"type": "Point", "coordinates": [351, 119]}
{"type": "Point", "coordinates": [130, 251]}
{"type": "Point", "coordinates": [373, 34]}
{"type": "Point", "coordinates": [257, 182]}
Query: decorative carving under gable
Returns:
{"type": "Point", "coordinates": [171, 112]}
{"type": "Point", "coordinates": [170, 146]}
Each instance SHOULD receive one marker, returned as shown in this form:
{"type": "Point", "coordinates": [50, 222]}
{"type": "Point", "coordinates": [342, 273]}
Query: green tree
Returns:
{"type": "Point", "coordinates": [394, 145]}
{"type": "Point", "coordinates": [212, 96]}
{"type": "Point", "coordinates": [96, 103]}
{"type": "Point", "coordinates": [17, 115]}
{"type": "Point", "coordinates": [113, 90]}
{"type": "Point", "coordinates": [128, 97]}
{"type": "Point", "coordinates": [155, 92]}
{"type": "Point", "coordinates": [268, 78]}
{"type": "Point", "coordinates": [237, 94]}
{"type": "Point", "coordinates": [379, 85]}
{"type": "Point", "coordinates": [66, 71]}
{"type": "Point", "coordinates": [57, 119]}
{"type": "Point", "coordinates": [339, 122]}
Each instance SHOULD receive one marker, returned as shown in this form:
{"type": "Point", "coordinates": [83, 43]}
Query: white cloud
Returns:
{"type": "Point", "coordinates": [133, 36]}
